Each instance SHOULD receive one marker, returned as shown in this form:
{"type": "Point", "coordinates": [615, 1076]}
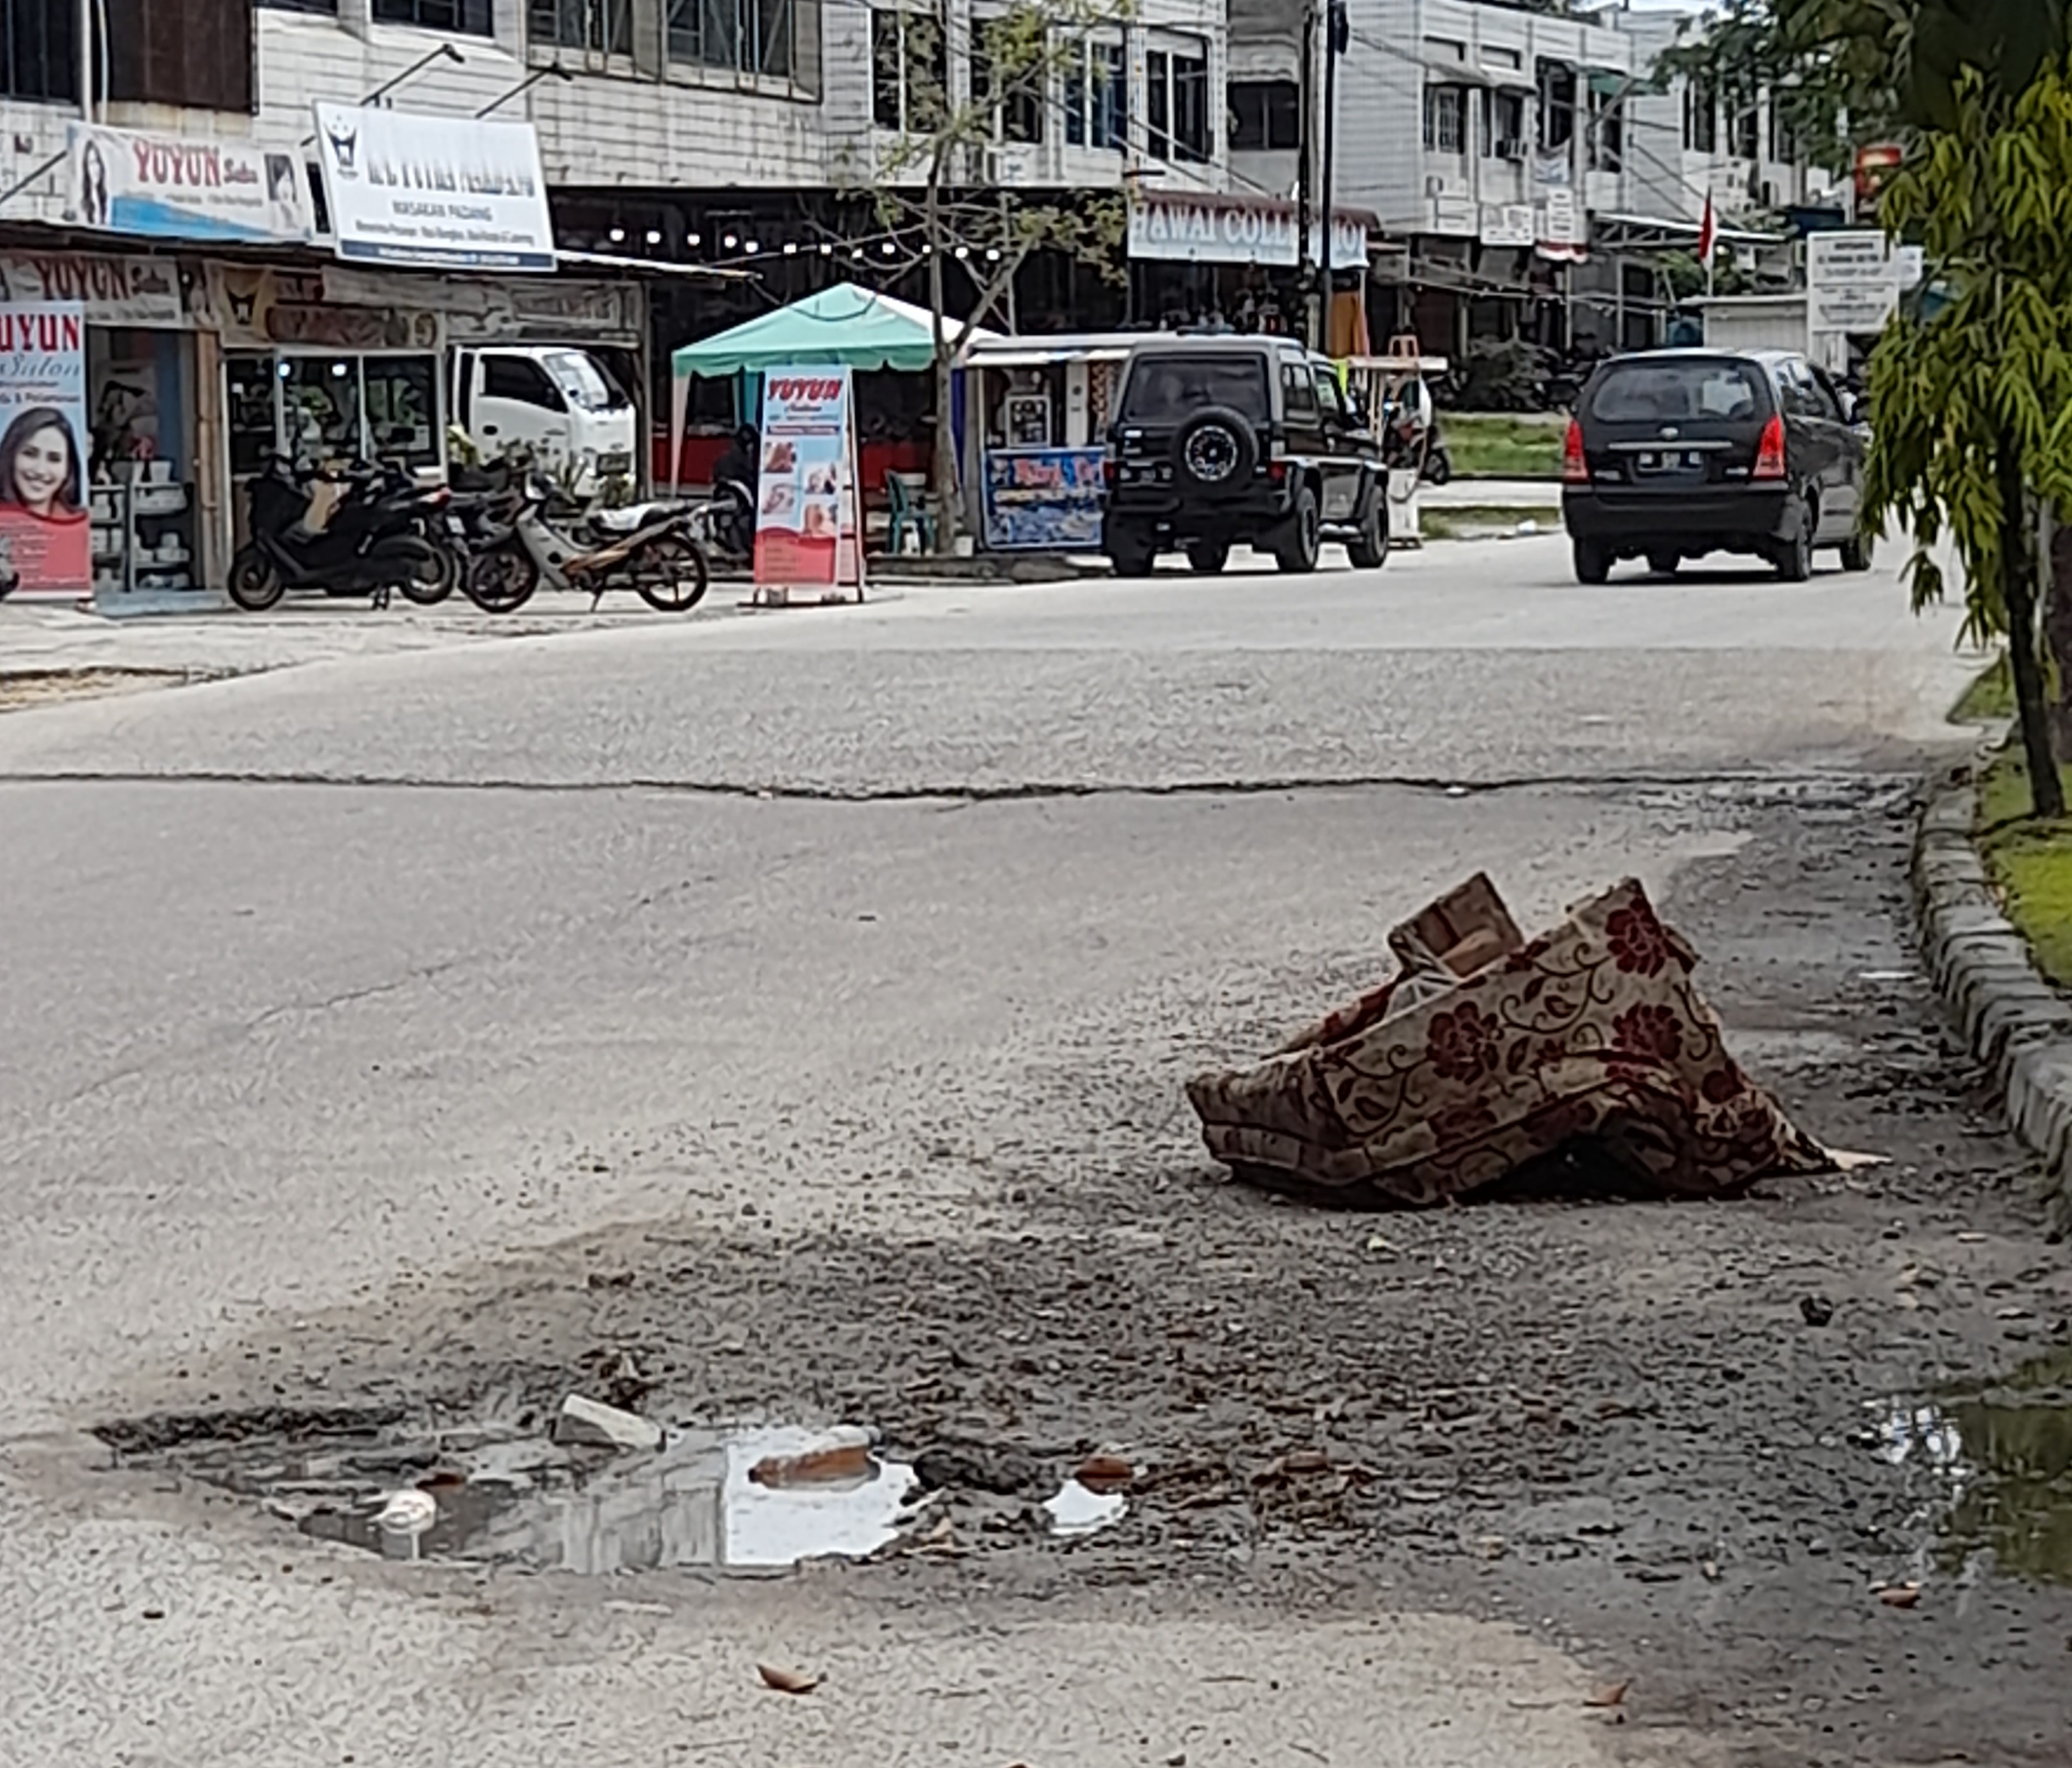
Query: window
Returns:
{"type": "Point", "coordinates": [1298, 390]}
{"type": "Point", "coordinates": [1328, 397]}
{"type": "Point", "coordinates": [1264, 114]}
{"type": "Point", "coordinates": [1701, 119]}
{"type": "Point", "coordinates": [1163, 388]}
{"type": "Point", "coordinates": [328, 7]}
{"type": "Point", "coordinates": [585, 385]}
{"type": "Point", "coordinates": [1607, 130]}
{"type": "Point", "coordinates": [1176, 95]}
{"type": "Point", "coordinates": [1021, 72]}
{"type": "Point", "coordinates": [1444, 49]}
{"type": "Point", "coordinates": [191, 53]}
{"type": "Point", "coordinates": [1442, 119]}
{"type": "Point", "coordinates": [1096, 98]}
{"type": "Point", "coordinates": [470, 18]}
{"type": "Point", "coordinates": [1744, 131]}
{"type": "Point", "coordinates": [520, 379]}
{"type": "Point", "coordinates": [37, 58]}
{"type": "Point", "coordinates": [1642, 393]}
{"type": "Point", "coordinates": [1783, 138]}
{"type": "Point", "coordinates": [741, 36]}
{"type": "Point", "coordinates": [1557, 105]}
{"type": "Point", "coordinates": [1503, 124]}
{"type": "Point", "coordinates": [603, 27]}
{"type": "Point", "coordinates": [909, 75]}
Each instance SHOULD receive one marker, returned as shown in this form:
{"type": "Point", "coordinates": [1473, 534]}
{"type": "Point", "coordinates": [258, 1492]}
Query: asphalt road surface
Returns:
{"type": "Point", "coordinates": [357, 1012]}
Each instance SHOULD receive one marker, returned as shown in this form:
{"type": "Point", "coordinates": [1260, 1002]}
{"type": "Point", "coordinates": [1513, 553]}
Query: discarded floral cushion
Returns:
{"type": "Point", "coordinates": [1591, 1032]}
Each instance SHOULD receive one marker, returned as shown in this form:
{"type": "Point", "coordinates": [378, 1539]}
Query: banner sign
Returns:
{"type": "Point", "coordinates": [184, 188]}
{"type": "Point", "coordinates": [1044, 499]}
{"type": "Point", "coordinates": [456, 192]}
{"type": "Point", "coordinates": [1221, 230]}
{"type": "Point", "coordinates": [115, 291]}
{"type": "Point", "coordinates": [808, 522]}
{"type": "Point", "coordinates": [46, 543]}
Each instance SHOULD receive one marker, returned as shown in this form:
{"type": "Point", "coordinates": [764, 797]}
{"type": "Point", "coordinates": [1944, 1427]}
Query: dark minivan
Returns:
{"type": "Point", "coordinates": [1675, 454]}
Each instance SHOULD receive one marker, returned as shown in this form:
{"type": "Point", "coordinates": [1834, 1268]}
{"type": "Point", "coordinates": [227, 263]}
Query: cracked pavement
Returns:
{"type": "Point", "coordinates": [835, 973]}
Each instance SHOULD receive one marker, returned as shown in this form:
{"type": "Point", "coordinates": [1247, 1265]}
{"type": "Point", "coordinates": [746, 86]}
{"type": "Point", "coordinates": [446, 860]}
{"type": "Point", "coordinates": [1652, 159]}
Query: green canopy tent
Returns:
{"type": "Point", "coordinates": [848, 324]}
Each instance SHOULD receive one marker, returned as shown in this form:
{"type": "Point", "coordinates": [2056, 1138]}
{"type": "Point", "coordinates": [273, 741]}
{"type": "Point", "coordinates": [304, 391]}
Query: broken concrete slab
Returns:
{"type": "Point", "coordinates": [591, 1424]}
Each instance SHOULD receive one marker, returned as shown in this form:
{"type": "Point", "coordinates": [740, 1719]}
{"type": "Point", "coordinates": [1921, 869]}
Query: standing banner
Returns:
{"type": "Point", "coordinates": [453, 193]}
{"type": "Point", "coordinates": [808, 520]}
{"type": "Point", "coordinates": [46, 541]}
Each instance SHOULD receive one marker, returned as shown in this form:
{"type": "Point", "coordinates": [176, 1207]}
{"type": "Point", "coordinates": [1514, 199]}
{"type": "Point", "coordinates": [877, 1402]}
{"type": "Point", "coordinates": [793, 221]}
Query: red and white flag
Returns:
{"type": "Point", "coordinates": [1709, 234]}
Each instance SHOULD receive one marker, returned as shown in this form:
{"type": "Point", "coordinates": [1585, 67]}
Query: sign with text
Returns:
{"type": "Point", "coordinates": [808, 520]}
{"type": "Point", "coordinates": [1044, 499]}
{"type": "Point", "coordinates": [1852, 282]}
{"type": "Point", "coordinates": [456, 192]}
{"type": "Point", "coordinates": [114, 291]}
{"type": "Point", "coordinates": [184, 188]}
{"type": "Point", "coordinates": [1218, 230]}
{"type": "Point", "coordinates": [46, 543]}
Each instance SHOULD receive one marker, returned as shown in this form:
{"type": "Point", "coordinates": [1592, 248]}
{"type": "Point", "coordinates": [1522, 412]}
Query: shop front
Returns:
{"type": "Point", "coordinates": [1043, 404]}
{"type": "Point", "coordinates": [1197, 258]}
{"type": "Point", "coordinates": [139, 453]}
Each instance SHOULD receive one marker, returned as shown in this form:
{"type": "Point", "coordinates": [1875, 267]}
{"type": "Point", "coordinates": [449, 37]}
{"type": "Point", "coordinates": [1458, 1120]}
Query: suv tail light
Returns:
{"type": "Point", "coordinates": [1277, 471]}
{"type": "Point", "coordinates": [1575, 465]}
{"type": "Point", "coordinates": [1769, 451]}
{"type": "Point", "coordinates": [1108, 472]}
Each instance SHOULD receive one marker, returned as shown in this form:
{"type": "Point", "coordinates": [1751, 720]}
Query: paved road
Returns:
{"type": "Point", "coordinates": [326, 985]}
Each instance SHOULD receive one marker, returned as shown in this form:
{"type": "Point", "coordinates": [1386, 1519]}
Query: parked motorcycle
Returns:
{"type": "Point", "coordinates": [373, 543]}
{"type": "Point", "coordinates": [725, 523]}
{"type": "Point", "coordinates": [651, 548]}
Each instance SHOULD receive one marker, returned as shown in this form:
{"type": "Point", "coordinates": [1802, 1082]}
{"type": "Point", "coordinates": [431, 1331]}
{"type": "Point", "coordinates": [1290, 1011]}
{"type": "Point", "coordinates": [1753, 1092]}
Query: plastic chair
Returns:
{"type": "Point", "coordinates": [907, 509]}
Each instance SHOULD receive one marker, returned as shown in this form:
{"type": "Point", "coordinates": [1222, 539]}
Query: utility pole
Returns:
{"type": "Point", "coordinates": [1305, 277]}
{"type": "Point", "coordinates": [1336, 34]}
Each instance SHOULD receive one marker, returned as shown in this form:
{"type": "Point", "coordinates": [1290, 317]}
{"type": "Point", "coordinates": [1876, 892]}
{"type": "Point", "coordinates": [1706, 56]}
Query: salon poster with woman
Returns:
{"type": "Point", "coordinates": [46, 540]}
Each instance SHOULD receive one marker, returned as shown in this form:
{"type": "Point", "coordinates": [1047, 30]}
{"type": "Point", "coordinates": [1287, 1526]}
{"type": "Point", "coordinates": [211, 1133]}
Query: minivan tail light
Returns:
{"type": "Point", "coordinates": [1769, 451]}
{"type": "Point", "coordinates": [1575, 464]}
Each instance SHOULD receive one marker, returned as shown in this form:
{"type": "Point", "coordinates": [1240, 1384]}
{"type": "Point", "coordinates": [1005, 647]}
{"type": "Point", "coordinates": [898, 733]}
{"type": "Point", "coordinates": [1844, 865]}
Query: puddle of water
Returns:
{"type": "Point", "coordinates": [691, 1504]}
{"type": "Point", "coordinates": [2001, 1460]}
{"type": "Point", "coordinates": [1079, 1510]}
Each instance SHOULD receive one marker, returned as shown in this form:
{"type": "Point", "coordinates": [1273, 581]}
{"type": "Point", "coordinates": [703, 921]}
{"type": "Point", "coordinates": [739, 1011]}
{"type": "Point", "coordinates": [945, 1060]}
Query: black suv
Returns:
{"type": "Point", "coordinates": [1221, 439]}
{"type": "Point", "coordinates": [1675, 453]}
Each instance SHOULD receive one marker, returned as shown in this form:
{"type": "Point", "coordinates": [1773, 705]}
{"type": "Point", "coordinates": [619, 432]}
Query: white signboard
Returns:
{"type": "Point", "coordinates": [1215, 230]}
{"type": "Point", "coordinates": [114, 291]}
{"type": "Point", "coordinates": [1452, 215]}
{"type": "Point", "coordinates": [1508, 223]}
{"type": "Point", "coordinates": [184, 187]}
{"type": "Point", "coordinates": [1853, 283]}
{"type": "Point", "coordinates": [454, 192]}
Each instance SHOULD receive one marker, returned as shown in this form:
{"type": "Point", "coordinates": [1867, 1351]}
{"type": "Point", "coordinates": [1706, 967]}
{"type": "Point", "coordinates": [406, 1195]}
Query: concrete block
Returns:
{"type": "Point", "coordinates": [596, 1425]}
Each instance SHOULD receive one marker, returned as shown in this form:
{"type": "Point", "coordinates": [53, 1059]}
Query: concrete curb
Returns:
{"type": "Point", "coordinates": [2016, 1024]}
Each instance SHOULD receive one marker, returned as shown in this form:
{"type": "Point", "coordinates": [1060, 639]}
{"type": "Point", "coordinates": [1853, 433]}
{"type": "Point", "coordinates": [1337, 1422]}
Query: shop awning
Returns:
{"type": "Point", "coordinates": [848, 323]}
{"type": "Point", "coordinates": [1045, 351]}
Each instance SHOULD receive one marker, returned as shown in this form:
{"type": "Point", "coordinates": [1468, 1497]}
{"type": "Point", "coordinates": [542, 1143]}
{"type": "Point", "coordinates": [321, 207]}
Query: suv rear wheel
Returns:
{"type": "Point", "coordinates": [1593, 563]}
{"type": "Point", "coordinates": [1208, 556]}
{"type": "Point", "coordinates": [1856, 553]}
{"type": "Point", "coordinates": [1295, 549]}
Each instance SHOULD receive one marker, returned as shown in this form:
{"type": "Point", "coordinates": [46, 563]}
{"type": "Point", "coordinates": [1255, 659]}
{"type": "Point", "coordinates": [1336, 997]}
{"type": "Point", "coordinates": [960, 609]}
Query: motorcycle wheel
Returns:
{"type": "Point", "coordinates": [671, 573]}
{"type": "Point", "coordinates": [1438, 467]}
{"type": "Point", "coordinates": [437, 577]}
{"type": "Point", "coordinates": [501, 580]}
{"type": "Point", "coordinates": [255, 581]}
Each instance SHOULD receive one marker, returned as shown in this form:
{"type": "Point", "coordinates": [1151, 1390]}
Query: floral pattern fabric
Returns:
{"type": "Point", "coordinates": [1595, 1031]}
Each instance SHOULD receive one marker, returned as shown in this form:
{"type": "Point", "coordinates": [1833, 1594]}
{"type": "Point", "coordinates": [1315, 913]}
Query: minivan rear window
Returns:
{"type": "Point", "coordinates": [1647, 392]}
{"type": "Point", "coordinates": [1165, 387]}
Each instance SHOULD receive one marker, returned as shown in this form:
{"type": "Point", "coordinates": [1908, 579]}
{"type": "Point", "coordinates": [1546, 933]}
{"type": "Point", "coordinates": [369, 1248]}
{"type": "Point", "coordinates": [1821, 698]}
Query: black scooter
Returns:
{"type": "Point", "coordinates": [373, 543]}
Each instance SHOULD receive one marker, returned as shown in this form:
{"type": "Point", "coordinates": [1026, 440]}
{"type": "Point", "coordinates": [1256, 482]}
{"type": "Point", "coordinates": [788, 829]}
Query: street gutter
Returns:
{"type": "Point", "coordinates": [2013, 1021]}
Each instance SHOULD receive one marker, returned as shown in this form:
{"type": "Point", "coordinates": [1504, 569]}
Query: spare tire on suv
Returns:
{"type": "Point", "coordinates": [1216, 450]}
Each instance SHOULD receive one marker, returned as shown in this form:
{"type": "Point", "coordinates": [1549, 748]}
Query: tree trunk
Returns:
{"type": "Point", "coordinates": [2018, 591]}
{"type": "Point", "coordinates": [2058, 627]}
{"type": "Point", "coordinates": [945, 478]}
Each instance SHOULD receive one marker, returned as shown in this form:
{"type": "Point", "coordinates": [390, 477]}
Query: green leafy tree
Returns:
{"type": "Point", "coordinates": [1974, 407]}
{"type": "Point", "coordinates": [943, 211]}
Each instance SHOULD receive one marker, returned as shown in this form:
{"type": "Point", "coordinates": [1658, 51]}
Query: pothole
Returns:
{"type": "Point", "coordinates": [21, 689]}
{"type": "Point", "coordinates": [1999, 1463]}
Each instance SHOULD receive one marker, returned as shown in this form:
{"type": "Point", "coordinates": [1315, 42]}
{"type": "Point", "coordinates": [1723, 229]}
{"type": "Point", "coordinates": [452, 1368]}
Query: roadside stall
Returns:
{"type": "Point", "coordinates": [1043, 404]}
{"type": "Point", "coordinates": [1395, 389]}
{"type": "Point", "coordinates": [845, 325]}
